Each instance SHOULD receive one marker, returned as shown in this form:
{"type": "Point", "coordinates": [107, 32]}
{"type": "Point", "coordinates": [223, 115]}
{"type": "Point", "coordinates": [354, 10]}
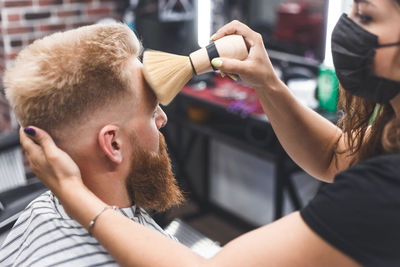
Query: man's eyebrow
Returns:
{"type": "Point", "coordinates": [154, 101]}
{"type": "Point", "coordinates": [365, 2]}
{"type": "Point", "coordinates": [155, 104]}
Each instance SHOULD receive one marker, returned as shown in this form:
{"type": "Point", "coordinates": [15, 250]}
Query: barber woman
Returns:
{"type": "Point", "coordinates": [353, 221]}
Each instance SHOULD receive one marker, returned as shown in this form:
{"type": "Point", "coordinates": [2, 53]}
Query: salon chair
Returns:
{"type": "Point", "coordinates": [192, 238]}
{"type": "Point", "coordinates": [16, 191]}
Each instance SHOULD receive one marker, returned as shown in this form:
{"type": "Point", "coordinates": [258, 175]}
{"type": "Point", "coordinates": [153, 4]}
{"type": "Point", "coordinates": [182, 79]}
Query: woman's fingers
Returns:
{"type": "Point", "coordinates": [52, 165]}
{"type": "Point", "coordinates": [236, 27]}
{"type": "Point", "coordinates": [35, 155]}
{"type": "Point", "coordinates": [233, 27]}
{"type": "Point", "coordinates": [256, 70]}
{"type": "Point", "coordinates": [61, 162]}
{"type": "Point", "coordinates": [33, 150]}
{"type": "Point", "coordinates": [228, 65]}
{"type": "Point", "coordinates": [44, 140]}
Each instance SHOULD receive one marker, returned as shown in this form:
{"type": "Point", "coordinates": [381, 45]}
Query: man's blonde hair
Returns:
{"type": "Point", "coordinates": [63, 77]}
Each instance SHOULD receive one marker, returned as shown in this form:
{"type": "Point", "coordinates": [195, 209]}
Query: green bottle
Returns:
{"type": "Point", "coordinates": [328, 89]}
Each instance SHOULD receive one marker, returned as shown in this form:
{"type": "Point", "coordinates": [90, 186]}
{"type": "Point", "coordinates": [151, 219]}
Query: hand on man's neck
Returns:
{"type": "Point", "coordinates": [102, 177]}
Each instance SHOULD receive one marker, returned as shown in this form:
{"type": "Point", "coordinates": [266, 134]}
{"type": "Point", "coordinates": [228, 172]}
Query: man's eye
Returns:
{"type": "Point", "coordinates": [364, 18]}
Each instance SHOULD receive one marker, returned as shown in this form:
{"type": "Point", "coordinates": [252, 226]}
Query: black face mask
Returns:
{"type": "Point", "coordinates": [353, 51]}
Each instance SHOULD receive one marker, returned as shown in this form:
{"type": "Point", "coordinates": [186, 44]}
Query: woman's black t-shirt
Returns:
{"type": "Point", "coordinates": [359, 213]}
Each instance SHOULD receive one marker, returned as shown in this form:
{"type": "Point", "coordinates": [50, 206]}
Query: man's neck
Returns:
{"type": "Point", "coordinates": [109, 188]}
{"type": "Point", "coordinates": [105, 180]}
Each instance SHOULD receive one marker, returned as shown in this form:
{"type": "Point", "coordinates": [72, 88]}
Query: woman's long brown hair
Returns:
{"type": "Point", "coordinates": [384, 135]}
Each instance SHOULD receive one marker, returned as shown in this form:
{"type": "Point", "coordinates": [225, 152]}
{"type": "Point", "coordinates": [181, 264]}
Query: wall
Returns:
{"type": "Point", "coordinates": [23, 21]}
{"type": "Point", "coordinates": [4, 108]}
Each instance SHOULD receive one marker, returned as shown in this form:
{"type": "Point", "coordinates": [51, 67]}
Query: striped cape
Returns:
{"type": "Point", "coordinates": [44, 235]}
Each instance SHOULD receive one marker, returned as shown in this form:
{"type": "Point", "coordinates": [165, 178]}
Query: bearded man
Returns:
{"type": "Point", "coordinates": [85, 87]}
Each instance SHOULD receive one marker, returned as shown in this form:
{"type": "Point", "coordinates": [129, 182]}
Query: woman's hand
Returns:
{"type": "Point", "coordinates": [53, 167]}
{"type": "Point", "coordinates": [256, 71]}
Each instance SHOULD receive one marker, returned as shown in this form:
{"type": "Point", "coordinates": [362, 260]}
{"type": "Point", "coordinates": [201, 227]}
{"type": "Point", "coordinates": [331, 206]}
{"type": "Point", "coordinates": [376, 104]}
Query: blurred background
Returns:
{"type": "Point", "coordinates": [224, 152]}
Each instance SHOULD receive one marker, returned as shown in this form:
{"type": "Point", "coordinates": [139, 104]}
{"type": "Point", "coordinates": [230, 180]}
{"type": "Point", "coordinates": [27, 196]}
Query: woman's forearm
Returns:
{"type": "Point", "coordinates": [130, 244]}
{"type": "Point", "coordinates": [308, 138]}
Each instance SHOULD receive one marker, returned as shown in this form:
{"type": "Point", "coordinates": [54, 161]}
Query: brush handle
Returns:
{"type": "Point", "coordinates": [230, 46]}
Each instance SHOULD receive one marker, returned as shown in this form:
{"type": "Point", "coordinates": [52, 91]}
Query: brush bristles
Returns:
{"type": "Point", "coordinates": [166, 73]}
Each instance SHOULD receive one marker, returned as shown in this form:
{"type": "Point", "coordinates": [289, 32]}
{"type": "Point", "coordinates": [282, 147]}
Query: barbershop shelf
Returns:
{"type": "Point", "coordinates": [249, 134]}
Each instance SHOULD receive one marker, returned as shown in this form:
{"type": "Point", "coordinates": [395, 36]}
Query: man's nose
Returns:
{"type": "Point", "coordinates": [162, 118]}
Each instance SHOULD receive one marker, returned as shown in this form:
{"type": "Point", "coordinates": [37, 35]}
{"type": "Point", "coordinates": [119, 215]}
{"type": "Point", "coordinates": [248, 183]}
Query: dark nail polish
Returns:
{"type": "Point", "coordinates": [30, 131]}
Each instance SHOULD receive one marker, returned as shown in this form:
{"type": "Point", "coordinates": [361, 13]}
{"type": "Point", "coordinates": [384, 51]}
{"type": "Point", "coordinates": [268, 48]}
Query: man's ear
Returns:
{"type": "Point", "coordinates": [110, 142]}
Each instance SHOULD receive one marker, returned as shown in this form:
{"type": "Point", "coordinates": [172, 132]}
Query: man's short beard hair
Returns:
{"type": "Point", "coordinates": [151, 183]}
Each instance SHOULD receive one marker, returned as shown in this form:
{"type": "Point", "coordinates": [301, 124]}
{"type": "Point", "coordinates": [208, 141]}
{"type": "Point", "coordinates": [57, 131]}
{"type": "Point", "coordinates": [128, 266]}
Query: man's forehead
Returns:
{"type": "Point", "coordinates": [148, 92]}
{"type": "Point", "coordinates": [153, 98]}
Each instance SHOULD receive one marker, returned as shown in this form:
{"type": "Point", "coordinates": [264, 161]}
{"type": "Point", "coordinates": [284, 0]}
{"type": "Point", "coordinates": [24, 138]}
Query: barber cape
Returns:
{"type": "Point", "coordinates": [44, 235]}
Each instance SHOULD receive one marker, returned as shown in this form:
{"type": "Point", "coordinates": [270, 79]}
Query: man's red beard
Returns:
{"type": "Point", "coordinates": [151, 183]}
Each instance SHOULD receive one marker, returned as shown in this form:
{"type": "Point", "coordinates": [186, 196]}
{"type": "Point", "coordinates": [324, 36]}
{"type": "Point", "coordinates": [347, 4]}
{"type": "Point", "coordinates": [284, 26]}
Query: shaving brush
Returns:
{"type": "Point", "coordinates": [168, 73]}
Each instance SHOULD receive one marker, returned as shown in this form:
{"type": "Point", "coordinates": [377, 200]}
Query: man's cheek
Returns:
{"type": "Point", "coordinates": [153, 142]}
